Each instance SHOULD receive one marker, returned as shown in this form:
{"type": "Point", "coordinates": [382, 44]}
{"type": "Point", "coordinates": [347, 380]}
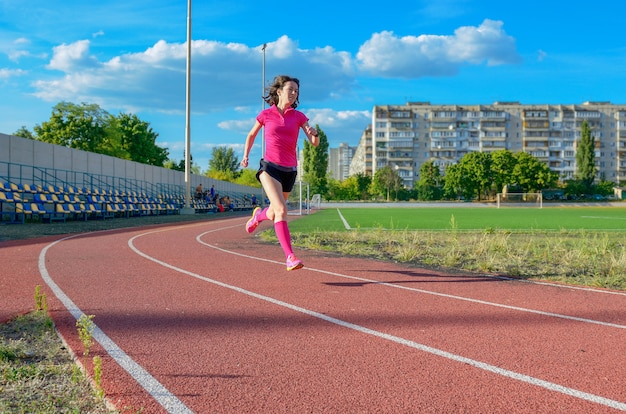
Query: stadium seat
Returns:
{"type": "Point", "coordinates": [132, 210]}
{"type": "Point", "coordinates": [9, 197]}
{"type": "Point", "coordinates": [32, 209]}
{"type": "Point", "coordinates": [91, 210]}
{"type": "Point", "coordinates": [32, 189]}
{"type": "Point", "coordinates": [42, 198]}
{"type": "Point", "coordinates": [9, 187]}
{"type": "Point", "coordinates": [51, 189]}
{"type": "Point", "coordinates": [56, 198]}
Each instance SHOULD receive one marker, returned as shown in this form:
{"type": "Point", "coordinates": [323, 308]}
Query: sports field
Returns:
{"type": "Point", "coordinates": [466, 218]}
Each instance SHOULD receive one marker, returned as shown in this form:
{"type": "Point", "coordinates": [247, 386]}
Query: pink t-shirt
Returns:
{"type": "Point", "coordinates": [281, 134]}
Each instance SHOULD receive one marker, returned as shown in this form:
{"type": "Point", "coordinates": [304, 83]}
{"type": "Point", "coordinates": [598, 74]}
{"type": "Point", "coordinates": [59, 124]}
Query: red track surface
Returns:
{"type": "Point", "coordinates": [204, 318]}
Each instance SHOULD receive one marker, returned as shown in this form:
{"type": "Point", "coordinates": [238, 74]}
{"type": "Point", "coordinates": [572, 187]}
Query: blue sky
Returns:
{"type": "Point", "coordinates": [130, 56]}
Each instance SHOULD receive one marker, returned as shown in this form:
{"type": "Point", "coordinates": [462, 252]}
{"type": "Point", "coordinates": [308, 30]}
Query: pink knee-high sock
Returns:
{"type": "Point", "coordinates": [284, 237]}
{"type": "Point", "coordinates": [262, 215]}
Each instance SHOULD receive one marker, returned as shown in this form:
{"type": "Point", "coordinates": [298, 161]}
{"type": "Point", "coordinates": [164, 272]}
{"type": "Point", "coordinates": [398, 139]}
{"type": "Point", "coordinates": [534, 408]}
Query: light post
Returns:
{"type": "Point", "coordinates": [187, 208]}
{"type": "Point", "coordinates": [262, 108]}
{"type": "Point", "coordinates": [263, 100]}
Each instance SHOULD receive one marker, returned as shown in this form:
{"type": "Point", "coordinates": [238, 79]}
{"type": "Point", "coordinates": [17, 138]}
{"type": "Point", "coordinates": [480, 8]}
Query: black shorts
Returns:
{"type": "Point", "coordinates": [284, 175]}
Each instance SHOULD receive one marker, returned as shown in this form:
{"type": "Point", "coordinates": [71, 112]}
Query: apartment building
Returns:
{"type": "Point", "coordinates": [361, 162]}
{"type": "Point", "coordinates": [406, 136]}
{"type": "Point", "coordinates": [339, 160]}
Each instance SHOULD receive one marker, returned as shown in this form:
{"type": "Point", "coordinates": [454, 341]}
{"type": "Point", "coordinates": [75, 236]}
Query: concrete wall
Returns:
{"type": "Point", "coordinates": [33, 162]}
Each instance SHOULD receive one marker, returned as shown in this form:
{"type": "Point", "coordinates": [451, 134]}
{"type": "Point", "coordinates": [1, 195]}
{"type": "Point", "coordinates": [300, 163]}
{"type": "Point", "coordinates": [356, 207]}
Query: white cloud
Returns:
{"type": "Point", "coordinates": [73, 57]}
{"type": "Point", "coordinates": [15, 55]}
{"type": "Point", "coordinates": [14, 51]}
{"type": "Point", "coordinates": [388, 55]}
{"type": "Point", "coordinates": [237, 125]}
{"type": "Point", "coordinates": [8, 73]}
{"type": "Point", "coordinates": [224, 75]}
{"type": "Point", "coordinates": [227, 75]}
{"type": "Point", "coordinates": [330, 118]}
{"type": "Point", "coordinates": [340, 126]}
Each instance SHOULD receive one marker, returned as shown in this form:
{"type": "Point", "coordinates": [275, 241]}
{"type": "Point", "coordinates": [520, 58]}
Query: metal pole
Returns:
{"type": "Point", "coordinates": [263, 100]}
{"type": "Point", "coordinates": [188, 114]}
{"type": "Point", "coordinates": [262, 108]}
{"type": "Point", "coordinates": [308, 200]}
{"type": "Point", "coordinates": [300, 188]}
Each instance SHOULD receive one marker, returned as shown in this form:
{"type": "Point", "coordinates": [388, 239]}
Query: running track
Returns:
{"type": "Point", "coordinates": [204, 318]}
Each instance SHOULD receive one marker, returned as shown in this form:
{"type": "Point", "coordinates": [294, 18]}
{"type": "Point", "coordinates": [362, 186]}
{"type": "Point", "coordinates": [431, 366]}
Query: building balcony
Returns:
{"type": "Point", "coordinates": [491, 144]}
{"type": "Point", "coordinates": [536, 124]}
{"type": "Point", "coordinates": [445, 155]}
{"type": "Point", "coordinates": [490, 137]}
{"type": "Point", "coordinates": [400, 158]}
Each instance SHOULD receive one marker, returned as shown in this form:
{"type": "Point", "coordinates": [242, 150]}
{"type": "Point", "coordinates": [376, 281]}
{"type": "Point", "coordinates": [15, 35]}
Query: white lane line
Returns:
{"type": "Point", "coordinates": [412, 289]}
{"type": "Point", "coordinates": [345, 222]}
{"type": "Point", "coordinates": [153, 387]}
{"type": "Point", "coordinates": [392, 338]}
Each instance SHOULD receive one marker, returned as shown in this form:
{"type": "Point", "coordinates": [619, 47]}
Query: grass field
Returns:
{"type": "Point", "coordinates": [611, 219]}
{"type": "Point", "coordinates": [575, 245]}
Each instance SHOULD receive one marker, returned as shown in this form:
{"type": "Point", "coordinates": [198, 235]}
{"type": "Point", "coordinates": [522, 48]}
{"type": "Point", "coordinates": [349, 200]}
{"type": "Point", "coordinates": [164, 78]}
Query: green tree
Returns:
{"type": "Point", "coordinates": [139, 140]}
{"type": "Point", "coordinates": [248, 177]}
{"type": "Point", "coordinates": [585, 156]}
{"type": "Point", "coordinates": [24, 133]}
{"type": "Point", "coordinates": [89, 128]}
{"type": "Point", "coordinates": [224, 164]}
{"type": "Point", "coordinates": [361, 184]}
{"type": "Point", "coordinates": [355, 187]}
{"type": "Point", "coordinates": [86, 127]}
{"type": "Point", "coordinates": [335, 190]}
{"type": "Point", "coordinates": [315, 164]}
{"type": "Point", "coordinates": [452, 182]}
{"type": "Point", "coordinates": [502, 164]}
{"type": "Point", "coordinates": [385, 181]}
{"type": "Point", "coordinates": [477, 178]}
{"type": "Point", "coordinates": [429, 185]}
{"type": "Point", "coordinates": [221, 175]}
{"type": "Point", "coordinates": [531, 174]}
{"type": "Point", "coordinates": [604, 187]}
{"type": "Point", "coordinates": [172, 164]}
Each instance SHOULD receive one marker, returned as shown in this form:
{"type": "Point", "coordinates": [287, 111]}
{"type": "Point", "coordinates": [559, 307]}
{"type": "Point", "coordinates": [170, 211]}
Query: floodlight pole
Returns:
{"type": "Point", "coordinates": [188, 114]}
{"type": "Point", "coordinates": [263, 100]}
{"type": "Point", "coordinates": [262, 108]}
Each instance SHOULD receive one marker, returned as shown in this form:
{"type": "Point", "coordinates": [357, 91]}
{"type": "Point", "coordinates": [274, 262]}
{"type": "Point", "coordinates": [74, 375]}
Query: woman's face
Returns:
{"type": "Point", "coordinates": [288, 93]}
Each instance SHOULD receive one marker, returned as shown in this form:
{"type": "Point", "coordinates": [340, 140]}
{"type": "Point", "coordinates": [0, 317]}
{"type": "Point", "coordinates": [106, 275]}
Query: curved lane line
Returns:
{"type": "Point", "coordinates": [392, 338]}
{"type": "Point", "coordinates": [153, 387]}
{"type": "Point", "coordinates": [427, 292]}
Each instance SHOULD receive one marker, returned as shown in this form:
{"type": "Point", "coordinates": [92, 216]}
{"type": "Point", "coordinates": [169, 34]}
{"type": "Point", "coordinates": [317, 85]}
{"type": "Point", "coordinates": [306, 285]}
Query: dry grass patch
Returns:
{"type": "Point", "coordinates": [579, 257]}
{"type": "Point", "coordinates": [38, 373]}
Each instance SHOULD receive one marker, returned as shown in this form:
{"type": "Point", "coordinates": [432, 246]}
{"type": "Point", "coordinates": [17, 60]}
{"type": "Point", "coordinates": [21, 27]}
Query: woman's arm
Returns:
{"type": "Point", "coordinates": [249, 142]}
{"type": "Point", "coordinates": [311, 134]}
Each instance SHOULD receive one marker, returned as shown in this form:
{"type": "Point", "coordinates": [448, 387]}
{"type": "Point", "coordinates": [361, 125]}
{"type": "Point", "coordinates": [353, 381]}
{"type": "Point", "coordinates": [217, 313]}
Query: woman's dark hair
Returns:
{"type": "Point", "coordinates": [279, 82]}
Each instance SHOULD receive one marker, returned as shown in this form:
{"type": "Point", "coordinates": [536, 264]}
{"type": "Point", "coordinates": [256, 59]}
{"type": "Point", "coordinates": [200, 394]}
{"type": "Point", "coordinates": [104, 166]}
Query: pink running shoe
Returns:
{"type": "Point", "coordinates": [293, 263]}
{"type": "Point", "coordinates": [253, 223]}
